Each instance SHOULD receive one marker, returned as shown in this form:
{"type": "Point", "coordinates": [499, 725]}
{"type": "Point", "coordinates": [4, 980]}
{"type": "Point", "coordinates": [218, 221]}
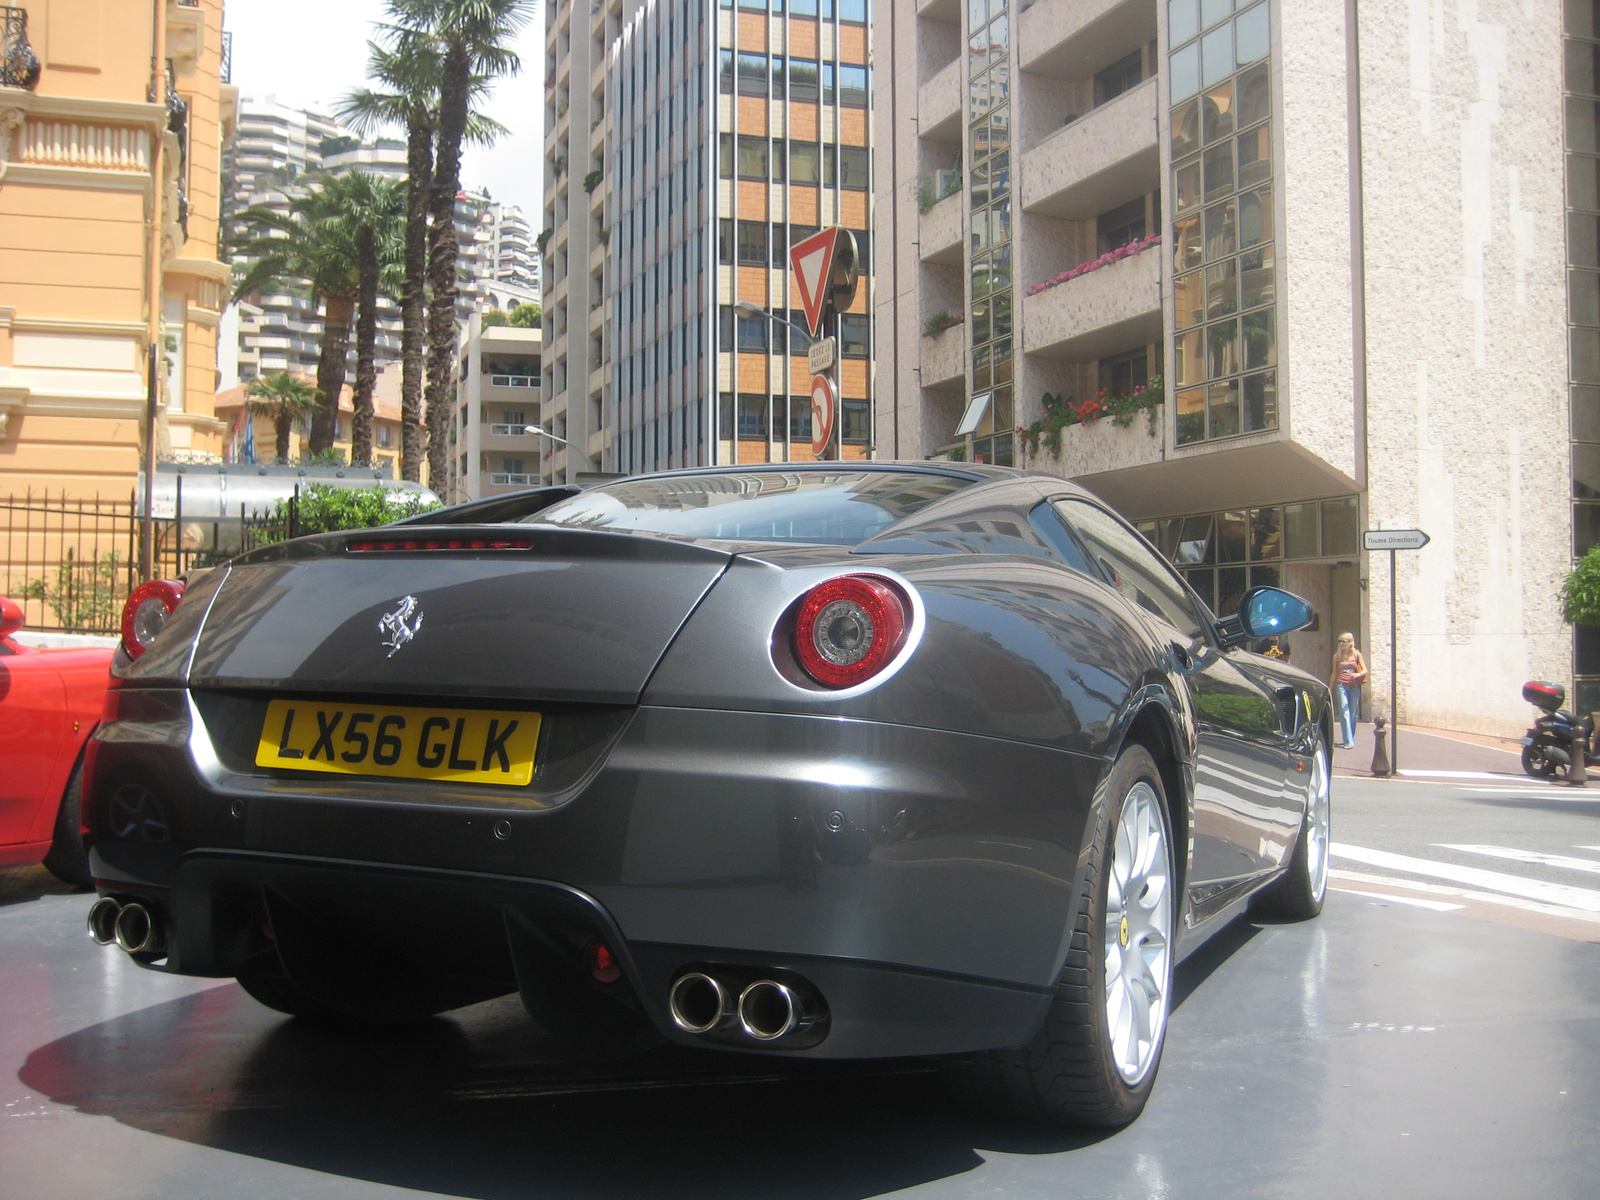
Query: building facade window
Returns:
{"type": "Point", "coordinates": [1223, 228]}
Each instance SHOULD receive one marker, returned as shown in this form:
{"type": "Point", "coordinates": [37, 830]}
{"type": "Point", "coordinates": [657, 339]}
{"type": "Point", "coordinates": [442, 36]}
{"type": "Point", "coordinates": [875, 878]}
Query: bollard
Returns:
{"type": "Point", "coordinates": [1380, 749]}
{"type": "Point", "coordinates": [1577, 774]}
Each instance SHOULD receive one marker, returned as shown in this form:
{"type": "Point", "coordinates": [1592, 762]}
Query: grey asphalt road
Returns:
{"type": "Point", "coordinates": [1427, 1036]}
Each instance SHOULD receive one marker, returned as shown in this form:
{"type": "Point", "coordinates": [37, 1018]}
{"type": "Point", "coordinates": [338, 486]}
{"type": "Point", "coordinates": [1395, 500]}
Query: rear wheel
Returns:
{"type": "Point", "coordinates": [1535, 763]}
{"type": "Point", "coordinates": [1095, 1060]}
{"type": "Point", "coordinates": [68, 860]}
{"type": "Point", "coordinates": [350, 1007]}
{"type": "Point", "coordinates": [1298, 893]}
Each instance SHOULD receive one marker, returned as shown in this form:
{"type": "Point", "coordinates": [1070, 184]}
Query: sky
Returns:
{"type": "Point", "coordinates": [310, 53]}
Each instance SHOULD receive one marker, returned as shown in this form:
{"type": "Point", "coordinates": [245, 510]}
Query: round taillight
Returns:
{"type": "Point", "coordinates": [850, 628]}
{"type": "Point", "coordinates": [145, 614]}
{"type": "Point", "coordinates": [602, 964]}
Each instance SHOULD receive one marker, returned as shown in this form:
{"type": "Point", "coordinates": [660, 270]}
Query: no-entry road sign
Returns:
{"type": "Point", "coordinates": [1394, 539]}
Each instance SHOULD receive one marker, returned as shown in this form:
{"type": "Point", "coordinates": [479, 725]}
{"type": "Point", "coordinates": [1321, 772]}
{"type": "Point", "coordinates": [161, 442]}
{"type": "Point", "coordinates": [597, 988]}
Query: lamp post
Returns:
{"type": "Point", "coordinates": [542, 432]}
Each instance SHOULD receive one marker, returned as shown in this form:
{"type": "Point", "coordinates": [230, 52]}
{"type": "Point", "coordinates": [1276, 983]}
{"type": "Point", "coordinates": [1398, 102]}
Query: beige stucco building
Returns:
{"type": "Point", "coordinates": [497, 400]}
{"type": "Point", "coordinates": [108, 238]}
{"type": "Point", "coordinates": [1332, 245]}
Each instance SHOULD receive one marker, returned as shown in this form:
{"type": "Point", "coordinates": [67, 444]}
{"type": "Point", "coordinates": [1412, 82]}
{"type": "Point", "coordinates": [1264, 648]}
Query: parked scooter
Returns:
{"type": "Point", "coordinates": [1548, 747]}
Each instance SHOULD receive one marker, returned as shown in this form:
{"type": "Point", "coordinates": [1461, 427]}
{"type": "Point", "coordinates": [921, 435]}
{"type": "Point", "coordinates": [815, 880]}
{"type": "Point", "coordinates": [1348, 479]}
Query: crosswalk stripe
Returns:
{"type": "Point", "coordinates": [1565, 861]}
{"type": "Point", "coordinates": [1454, 774]}
{"type": "Point", "coordinates": [1414, 901]}
{"type": "Point", "coordinates": [1533, 889]}
{"type": "Point", "coordinates": [1339, 875]}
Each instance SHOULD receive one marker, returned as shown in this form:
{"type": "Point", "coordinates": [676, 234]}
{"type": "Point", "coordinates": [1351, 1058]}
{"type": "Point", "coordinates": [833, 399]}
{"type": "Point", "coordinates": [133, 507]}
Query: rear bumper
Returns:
{"type": "Point", "coordinates": [922, 882]}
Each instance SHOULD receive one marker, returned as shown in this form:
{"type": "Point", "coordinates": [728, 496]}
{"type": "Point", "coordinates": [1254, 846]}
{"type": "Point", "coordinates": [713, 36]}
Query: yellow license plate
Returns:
{"type": "Point", "coordinates": [459, 746]}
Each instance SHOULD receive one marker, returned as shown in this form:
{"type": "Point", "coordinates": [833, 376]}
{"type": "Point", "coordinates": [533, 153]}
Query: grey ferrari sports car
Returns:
{"type": "Point", "coordinates": [839, 760]}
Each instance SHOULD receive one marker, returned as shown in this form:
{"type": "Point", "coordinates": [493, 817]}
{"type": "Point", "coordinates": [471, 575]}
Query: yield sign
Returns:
{"type": "Point", "coordinates": [812, 261]}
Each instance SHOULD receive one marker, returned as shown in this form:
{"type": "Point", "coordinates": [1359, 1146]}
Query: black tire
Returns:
{"type": "Point", "coordinates": [1298, 894]}
{"type": "Point", "coordinates": [1536, 764]}
{"type": "Point", "coordinates": [1068, 1074]}
{"type": "Point", "coordinates": [68, 860]}
{"type": "Point", "coordinates": [353, 1006]}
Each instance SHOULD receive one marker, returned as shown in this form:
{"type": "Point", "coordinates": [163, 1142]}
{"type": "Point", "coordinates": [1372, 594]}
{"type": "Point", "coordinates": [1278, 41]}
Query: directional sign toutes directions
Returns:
{"type": "Point", "coordinates": [1394, 539]}
{"type": "Point", "coordinates": [823, 409]}
{"type": "Point", "coordinates": [812, 261]}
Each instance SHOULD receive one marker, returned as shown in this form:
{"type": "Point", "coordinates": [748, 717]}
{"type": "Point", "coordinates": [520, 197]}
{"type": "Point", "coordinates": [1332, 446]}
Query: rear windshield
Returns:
{"type": "Point", "coordinates": [837, 507]}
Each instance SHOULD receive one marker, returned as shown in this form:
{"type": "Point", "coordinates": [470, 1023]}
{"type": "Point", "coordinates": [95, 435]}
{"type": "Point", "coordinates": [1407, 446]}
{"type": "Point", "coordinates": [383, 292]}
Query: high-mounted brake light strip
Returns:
{"type": "Point", "coordinates": [393, 544]}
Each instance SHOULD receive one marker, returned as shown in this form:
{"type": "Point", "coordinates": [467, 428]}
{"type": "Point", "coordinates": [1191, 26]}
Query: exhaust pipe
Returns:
{"type": "Point", "coordinates": [768, 1010]}
{"type": "Point", "coordinates": [138, 931]}
{"type": "Point", "coordinates": [102, 920]}
{"type": "Point", "coordinates": [698, 1002]}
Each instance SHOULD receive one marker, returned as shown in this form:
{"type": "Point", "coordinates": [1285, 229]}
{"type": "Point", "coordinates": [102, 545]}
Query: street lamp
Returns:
{"type": "Point", "coordinates": [748, 309]}
{"type": "Point", "coordinates": [542, 432]}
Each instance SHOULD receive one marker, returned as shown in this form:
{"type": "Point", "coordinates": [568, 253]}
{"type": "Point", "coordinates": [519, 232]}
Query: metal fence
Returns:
{"type": "Point", "coordinates": [70, 562]}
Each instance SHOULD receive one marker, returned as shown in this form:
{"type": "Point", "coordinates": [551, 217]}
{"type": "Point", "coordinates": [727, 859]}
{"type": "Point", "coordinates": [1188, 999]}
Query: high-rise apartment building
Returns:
{"type": "Point", "coordinates": [725, 133]}
{"type": "Point", "coordinates": [497, 400]}
{"type": "Point", "coordinates": [1309, 258]}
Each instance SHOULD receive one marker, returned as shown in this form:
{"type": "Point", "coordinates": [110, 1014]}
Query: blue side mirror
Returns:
{"type": "Point", "coordinates": [1268, 611]}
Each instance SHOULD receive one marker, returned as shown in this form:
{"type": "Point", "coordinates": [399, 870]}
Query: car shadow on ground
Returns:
{"type": "Point", "coordinates": [481, 1103]}
{"type": "Point", "coordinates": [18, 884]}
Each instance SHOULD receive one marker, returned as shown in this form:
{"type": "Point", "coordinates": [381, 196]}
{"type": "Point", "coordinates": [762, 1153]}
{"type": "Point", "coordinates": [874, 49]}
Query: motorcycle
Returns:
{"type": "Point", "coordinates": [1548, 747]}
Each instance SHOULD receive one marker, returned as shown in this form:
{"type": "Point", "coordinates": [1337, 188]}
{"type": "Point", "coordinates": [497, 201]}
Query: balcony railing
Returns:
{"type": "Point", "coordinates": [510, 479]}
{"type": "Point", "coordinates": [513, 430]}
{"type": "Point", "coordinates": [225, 72]}
{"type": "Point", "coordinates": [19, 65]}
{"type": "Point", "coordinates": [527, 381]}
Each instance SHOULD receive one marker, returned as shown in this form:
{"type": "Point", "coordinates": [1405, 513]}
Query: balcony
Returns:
{"type": "Point", "coordinates": [514, 381]}
{"type": "Point", "coordinates": [1103, 312]}
{"type": "Point", "coordinates": [939, 230]}
{"type": "Point", "coordinates": [512, 479]}
{"type": "Point", "coordinates": [1103, 159]}
{"type": "Point", "coordinates": [1072, 39]}
{"type": "Point", "coordinates": [940, 10]}
{"type": "Point", "coordinates": [942, 359]}
{"type": "Point", "coordinates": [939, 105]}
{"type": "Point", "coordinates": [509, 430]}
{"type": "Point", "coordinates": [1100, 447]}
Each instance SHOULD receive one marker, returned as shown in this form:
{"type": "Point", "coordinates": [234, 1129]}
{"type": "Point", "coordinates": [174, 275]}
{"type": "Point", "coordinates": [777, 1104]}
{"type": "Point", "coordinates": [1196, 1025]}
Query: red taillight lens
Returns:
{"type": "Point", "coordinates": [850, 628]}
{"type": "Point", "coordinates": [145, 614]}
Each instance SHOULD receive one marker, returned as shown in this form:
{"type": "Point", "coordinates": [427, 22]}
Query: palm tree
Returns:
{"type": "Point", "coordinates": [407, 71]}
{"type": "Point", "coordinates": [315, 242]}
{"type": "Point", "coordinates": [283, 397]}
{"type": "Point", "coordinates": [472, 40]}
{"type": "Point", "coordinates": [373, 206]}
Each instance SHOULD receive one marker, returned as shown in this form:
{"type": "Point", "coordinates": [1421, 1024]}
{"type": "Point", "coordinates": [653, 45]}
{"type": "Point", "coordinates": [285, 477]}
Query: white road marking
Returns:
{"type": "Point", "coordinates": [1415, 901]}
{"type": "Point", "coordinates": [1452, 774]}
{"type": "Point", "coordinates": [1566, 862]}
{"type": "Point", "coordinates": [1559, 894]}
{"type": "Point", "coordinates": [1472, 897]}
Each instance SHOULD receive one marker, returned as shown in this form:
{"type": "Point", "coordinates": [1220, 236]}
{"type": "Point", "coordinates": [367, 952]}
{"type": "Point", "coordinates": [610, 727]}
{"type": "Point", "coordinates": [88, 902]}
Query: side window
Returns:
{"type": "Point", "coordinates": [1137, 571]}
{"type": "Point", "coordinates": [1054, 534]}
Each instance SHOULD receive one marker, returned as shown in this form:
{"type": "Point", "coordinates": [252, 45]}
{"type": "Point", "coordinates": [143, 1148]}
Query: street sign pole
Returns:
{"type": "Point", "coordinates": [1393, 540]}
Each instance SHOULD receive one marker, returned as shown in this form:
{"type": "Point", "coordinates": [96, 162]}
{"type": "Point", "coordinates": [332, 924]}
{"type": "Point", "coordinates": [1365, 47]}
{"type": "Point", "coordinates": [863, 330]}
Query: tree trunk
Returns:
{"type": "Point", "coordinates": [336, 315]}
{"type": "Point", "coordinates": [282, 424]}
{"type": "Point", "coordinates": [366, 348]}
{"type": "Point", "coordinates": [419, 185]}
{"type": "Point", "coordinates": [454, 89]}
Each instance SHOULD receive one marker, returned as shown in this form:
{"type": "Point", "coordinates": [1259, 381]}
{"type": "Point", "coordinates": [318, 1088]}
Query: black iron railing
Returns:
{"type": "Point", "coordinates": [19, 65]}
{"type": "Point", "coordinates": [226, 70]}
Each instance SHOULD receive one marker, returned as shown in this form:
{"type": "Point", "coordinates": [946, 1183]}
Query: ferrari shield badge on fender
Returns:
{"type": "Point", "coordinates": [401, 625]}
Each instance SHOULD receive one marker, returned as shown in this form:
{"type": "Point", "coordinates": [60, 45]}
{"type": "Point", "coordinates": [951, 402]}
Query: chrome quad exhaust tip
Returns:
{"type": "Point", "coordinates": [102, 920]}
{"type": "Point", "coordinates": [698, 1002]}
{"type": "Point", "coordinates": [769, 1010]}
{"type": "Point", "coordinates": [138, 931]}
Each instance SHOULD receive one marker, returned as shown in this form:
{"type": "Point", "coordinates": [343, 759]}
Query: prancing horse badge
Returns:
{"type": "Point", "coordinates": [401, 625]}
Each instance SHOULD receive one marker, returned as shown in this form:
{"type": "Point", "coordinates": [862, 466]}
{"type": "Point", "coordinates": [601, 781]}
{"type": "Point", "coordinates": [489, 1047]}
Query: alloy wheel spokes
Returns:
{"type": "Point", "coordinates": [1138, 934]}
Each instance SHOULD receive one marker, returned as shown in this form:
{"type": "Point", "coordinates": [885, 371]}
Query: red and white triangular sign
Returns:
{"type": "Point", "coordinates": [812, 261]}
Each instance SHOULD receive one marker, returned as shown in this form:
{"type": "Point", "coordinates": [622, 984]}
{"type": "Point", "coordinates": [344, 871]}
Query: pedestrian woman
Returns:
{"type": "Point", "coordinates": [1349, 673]}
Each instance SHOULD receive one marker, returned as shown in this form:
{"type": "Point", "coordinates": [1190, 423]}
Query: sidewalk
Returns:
{"type": "Point", "coordinates": [1436, 754]}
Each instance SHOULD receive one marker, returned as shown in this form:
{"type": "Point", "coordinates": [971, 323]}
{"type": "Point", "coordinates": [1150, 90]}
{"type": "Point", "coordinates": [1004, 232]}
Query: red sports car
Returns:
{"type": "Point", "coordinates": [50, 703]}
